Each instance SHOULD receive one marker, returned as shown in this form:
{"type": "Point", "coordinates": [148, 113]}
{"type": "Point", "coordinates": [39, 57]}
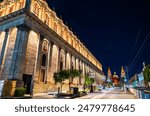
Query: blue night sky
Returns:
{"type": "Point", "coordinates": [114, 31]}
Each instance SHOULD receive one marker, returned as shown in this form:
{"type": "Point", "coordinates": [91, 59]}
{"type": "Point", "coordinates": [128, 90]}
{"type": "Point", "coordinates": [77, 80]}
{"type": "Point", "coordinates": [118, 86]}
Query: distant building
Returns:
{"type": "Point", "coordinates": [137, 80]}
{"type": "Point", "coordinates": [115, 79]}
{"type": "Point", "coordinates": [109, 75]}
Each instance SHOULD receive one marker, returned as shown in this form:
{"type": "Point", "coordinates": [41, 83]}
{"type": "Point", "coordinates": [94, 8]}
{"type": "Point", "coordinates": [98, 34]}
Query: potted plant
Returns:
{"type": "Point", "coordinates": [146, 74]}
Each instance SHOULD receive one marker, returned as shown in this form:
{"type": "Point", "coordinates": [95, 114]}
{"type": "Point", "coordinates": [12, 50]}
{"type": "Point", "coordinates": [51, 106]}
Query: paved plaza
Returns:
{"type": "Point", "coordinates": [108, 93]}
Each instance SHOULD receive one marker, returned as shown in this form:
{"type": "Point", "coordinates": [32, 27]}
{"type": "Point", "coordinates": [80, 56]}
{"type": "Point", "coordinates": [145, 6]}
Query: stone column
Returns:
{"type": "Point", "coordinates": [58, 65]}
{"type": "Point", "coordinates": [4, 46]}
{"type": "Point", "coordinates": [54, 61]}
{"type": "Point", "coordinates": [50, 55]}
{"type": "Point", "coordinates": [79, 78]}
{"type": "Point", "coordinates": [83, 72]}
{"type": "Point", "coordinates": [48, 63]}
{"type": "Point", "coordinates": [77, 64]}
{"type": "Point", "coordinates": [65, 57]}
{"type": "Point", "coordinates": [83, 69]}
{"type": "Point", "coordinates": [74, 63]}
{"type": "Point", "coordinates": [71, 62]}
{"type": "Point", "coordinates": [37, 75]}
{"type": "Point", "coordinates": [18, 58]}
{"type": "Point", "coordinates": [66, 61]}
{"type": "Point", "coordinates": [50, 71]}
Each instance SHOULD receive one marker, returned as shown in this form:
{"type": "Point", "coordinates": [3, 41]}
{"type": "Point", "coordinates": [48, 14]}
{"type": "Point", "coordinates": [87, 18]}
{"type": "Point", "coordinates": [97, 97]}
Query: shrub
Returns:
{"type": "Point", "coordinates": [19, 92]}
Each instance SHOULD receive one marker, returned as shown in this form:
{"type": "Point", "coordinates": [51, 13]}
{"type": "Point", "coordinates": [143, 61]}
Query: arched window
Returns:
{"type": "Point", "coordinates": [47, 19]}
{"type": "Point", "coordinates": [36, 9]}
{"type": "Point", "coordinates": [42, 77]}
{"type": "Point", "coordinates": [43, 60]}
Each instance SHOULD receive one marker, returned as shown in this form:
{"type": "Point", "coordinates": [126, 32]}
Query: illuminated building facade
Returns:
{"type": "Point", "coordinates": [115, 79]}
{"type": "Point", "coordinates": [35, 43]}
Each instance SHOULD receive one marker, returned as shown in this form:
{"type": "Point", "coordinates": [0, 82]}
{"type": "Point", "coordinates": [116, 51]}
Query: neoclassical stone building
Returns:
{"type": "Point", "coordinates": [35, 43]}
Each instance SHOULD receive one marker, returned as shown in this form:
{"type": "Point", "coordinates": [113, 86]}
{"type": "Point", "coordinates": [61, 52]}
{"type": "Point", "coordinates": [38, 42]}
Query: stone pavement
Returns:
{"type": "Point", "coordinates": [108, 93]}
{"type": "Point", "coordinates": [44, 96]}
{"type": "Point", "coordinates": [113, 93]}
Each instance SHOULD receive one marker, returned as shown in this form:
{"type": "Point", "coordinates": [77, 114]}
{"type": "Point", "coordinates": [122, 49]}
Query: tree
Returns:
{"type": "Point", "coordinates": [72, 75]}
{"type": "Point", "coordinates": [88, 81]}
{"type": "Point", "coordinates": [61, 76]}
{"type": "Point", "coordinates": [146, 73]}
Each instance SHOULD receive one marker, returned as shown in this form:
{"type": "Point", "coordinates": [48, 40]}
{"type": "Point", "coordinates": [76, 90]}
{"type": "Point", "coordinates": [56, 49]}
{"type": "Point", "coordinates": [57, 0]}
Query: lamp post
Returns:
{"type": "Point", "coordinates": [108, 81]}
{"type": "Point", "coordinates": [122, 82]}
{"type": "Point", "coordinates": [104, 79]}
{"type": "Point", "coordinates": [126, 79]}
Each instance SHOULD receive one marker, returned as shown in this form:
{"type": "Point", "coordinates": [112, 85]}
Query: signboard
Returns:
{"type": "Point", "coordinates": [1, 87]}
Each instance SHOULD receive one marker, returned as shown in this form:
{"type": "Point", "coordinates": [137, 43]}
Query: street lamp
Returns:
{"type": "Point", "coordinates": [126, 79]}
{"type": "Point", "coordinates": [108, 82]}
{"type": "Point", "coordinates": [104, 79]}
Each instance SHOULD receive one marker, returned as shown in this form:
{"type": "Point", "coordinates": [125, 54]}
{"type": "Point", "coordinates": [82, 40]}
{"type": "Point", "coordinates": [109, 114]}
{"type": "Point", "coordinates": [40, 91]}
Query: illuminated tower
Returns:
{"type": "Point", "coordinates": [109, 73]}
{"type": "Point", "coordinates": [122, 72]}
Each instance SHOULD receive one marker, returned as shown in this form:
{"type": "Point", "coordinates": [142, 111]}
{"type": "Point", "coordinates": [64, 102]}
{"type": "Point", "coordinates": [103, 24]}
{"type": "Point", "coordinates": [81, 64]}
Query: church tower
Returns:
{"type": "Point", "coordinates": [109, 74]}
{"type": "Point", "coordinates": [122, 72]}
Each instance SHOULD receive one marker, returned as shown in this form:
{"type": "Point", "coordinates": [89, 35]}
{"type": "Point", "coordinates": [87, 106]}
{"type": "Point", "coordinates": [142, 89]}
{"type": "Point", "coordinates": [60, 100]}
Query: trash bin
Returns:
{"type": "Point", "coordinates": [74, 90]}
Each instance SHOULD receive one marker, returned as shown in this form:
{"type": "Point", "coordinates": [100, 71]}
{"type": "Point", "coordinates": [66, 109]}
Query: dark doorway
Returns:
{"type": "Point", "coordinates": [27, 83]}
